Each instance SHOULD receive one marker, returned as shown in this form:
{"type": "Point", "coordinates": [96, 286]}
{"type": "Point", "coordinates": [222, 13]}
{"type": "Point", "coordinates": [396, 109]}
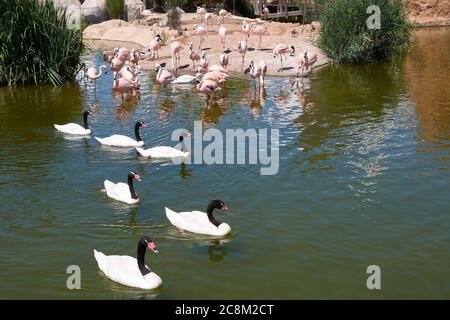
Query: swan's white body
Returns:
{"type": "Point", "coordinates": [124, 270]}
{"type": "Point", "coordinates": [119, 191]}
{"type": "Point", "coordinates": [162, 152]}
{"type": "Point", "coordinates": [118, 140]}
{"type": "Point", "coordinates": [196, 222]}
{"type": "Point", "coordinates": [72, 128]}
{"type": "Point", "coordinates": [185, 78]}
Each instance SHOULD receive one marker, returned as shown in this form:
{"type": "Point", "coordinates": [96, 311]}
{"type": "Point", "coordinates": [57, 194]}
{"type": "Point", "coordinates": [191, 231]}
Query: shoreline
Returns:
{"type": "Point", "coordinates": [137, 34]}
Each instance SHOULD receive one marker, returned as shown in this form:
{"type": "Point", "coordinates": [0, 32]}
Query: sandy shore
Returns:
{"type": "Point", "coordinates": [138, 34]}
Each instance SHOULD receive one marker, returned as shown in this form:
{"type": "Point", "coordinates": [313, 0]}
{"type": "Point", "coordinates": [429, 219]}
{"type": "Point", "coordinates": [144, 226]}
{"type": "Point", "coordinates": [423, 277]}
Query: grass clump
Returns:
{"type": "Point", "coordinates": [346, 38]}
{"type": "Point", "coordinates": [36, 45]}
{"type": "Point", "coordinates": [115, 8]}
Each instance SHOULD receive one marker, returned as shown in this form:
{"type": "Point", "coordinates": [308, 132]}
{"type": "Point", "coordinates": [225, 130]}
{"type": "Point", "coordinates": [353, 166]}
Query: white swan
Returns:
{"type": "Point", "coordinates": [123, 191]}
{"type": "Point", "coordinates": [118, 140]}
{"type": "Point", "coordinates": [185, 78]}
{"type": "Point", "coordinates": [200, 222]}
{"type": "Point", "coordinates": [130, 271]}
{"type": "Point", "coordinates": [163, 152]}
{"type": "Point", "coordinates": [74, 128]}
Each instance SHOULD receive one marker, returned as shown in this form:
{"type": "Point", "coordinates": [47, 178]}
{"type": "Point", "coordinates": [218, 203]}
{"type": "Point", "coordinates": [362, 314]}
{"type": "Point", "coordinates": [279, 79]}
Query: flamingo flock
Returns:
{"type": "Point", "coordinates": [209, 77]}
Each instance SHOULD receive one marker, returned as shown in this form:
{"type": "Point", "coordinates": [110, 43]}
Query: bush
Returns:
{"type": "Point", "coordinates": [345, 37]}
{"type": "Point", "coordinates": [173, 16]}
{"type": "Point", "coordinates": [115, 8]}
{"type": "Point", "coordinates": [36, 46]}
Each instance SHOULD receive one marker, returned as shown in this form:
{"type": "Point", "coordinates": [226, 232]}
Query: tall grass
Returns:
{"type": "Point", "coordinates": [115, 8]}
{"type": "Point", "coordinates": [36, 46]}
{"type": "Point", "coordinates": [345, 37]}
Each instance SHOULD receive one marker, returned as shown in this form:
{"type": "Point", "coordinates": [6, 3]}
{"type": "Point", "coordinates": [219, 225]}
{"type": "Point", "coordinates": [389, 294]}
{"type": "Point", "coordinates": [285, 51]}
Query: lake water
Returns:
{"type": "Point", "coordinates": [363, 180]}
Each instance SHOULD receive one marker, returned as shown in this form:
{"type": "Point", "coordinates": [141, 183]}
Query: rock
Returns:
{"type": "Point", "coordinates": [163, 21]}
{"type": "Point", "coordinates": [94, 11]}
{"type": "Point", "coordinates": [179, 10]}
{"type": "Point", "coordinates": [73, 11]}
{"type": "Point", "coordinates": [133, 9]}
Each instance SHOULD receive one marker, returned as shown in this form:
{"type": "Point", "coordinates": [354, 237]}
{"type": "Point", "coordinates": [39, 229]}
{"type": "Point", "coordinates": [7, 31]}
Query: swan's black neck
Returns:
{"type": "Point", "coordinates": [209, 213]}
{"type": "Point", "coordinates": [136, 131]}
{"type": "Point", "coordinates": [183, 146]}
{"type": "Point", "coordinates": [141, 259]}
{"type": "Point", "coordinates": [85, 123]}
{"type": "Point", "coordinates": [132, 191]}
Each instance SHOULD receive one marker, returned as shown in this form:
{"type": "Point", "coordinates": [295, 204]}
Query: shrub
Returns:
{"type": "Point", "coordinates": [36, 46]}
{"type": "Point", "coordinates": [173, 16]}
{"type": "Point", "coordinates": [115, 8]}
{"type": "Point", "coordinates": [345, 37]}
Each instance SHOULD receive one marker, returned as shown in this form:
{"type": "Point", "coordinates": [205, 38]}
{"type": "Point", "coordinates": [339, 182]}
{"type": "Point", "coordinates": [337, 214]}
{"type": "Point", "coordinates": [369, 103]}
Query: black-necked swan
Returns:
{"type": "Point", "coordinates": [130, 271]}
{"type": "Point", "coordinates": [74, 128]}
{"type": "Point", "coordinates": [200, 222]}
{"type": "Point", "coordinates": [164, 152]}
{"type": "Point", "coordinates": [123, 191]}
{"type": "Point", "coordinates": [118, 140]}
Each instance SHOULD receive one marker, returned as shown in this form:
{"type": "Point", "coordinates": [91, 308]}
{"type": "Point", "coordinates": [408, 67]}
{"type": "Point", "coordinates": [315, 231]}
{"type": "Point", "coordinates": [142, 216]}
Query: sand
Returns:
{"type": "Point", "coordinates": [138, 34]}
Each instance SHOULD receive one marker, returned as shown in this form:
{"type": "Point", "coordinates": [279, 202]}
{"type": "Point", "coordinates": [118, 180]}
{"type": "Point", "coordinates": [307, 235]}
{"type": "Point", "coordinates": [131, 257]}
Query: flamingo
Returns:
{"type": "Point", "coordinates": [223, 60]}
{"type": "Point", "coordinates": [259, 30]}
{"type": "Point", "coordinates": [242, 48]}
{"type": "Point", "coordinates": [134, 57]}
{"type": "Point", "coordinates": [175, 49]}
{"type": "Point", "coordinates": [123, 54]}
{"type": "Point", "coordinates": [216, 67]}
{"type": "Point", "coordinates": [115, 63]}
{"type": "Point", "coordinates": [222, 14]}
{"type": "Point", "coordinates": [193, 55]}
{"type": "Point", "coordinates": [255, 73]}
{"type": "Point", "coordinates": [281, 49]}
{"type": "Point", "coordinates": [303, 62]}
{"type": "Point", "coordinates": [126, 73]}
{"type": "Point", "coordinates": [208, 87]}
{"type": "Point", "coordinates": [263, 66]}
{"type": "Point", "coordinates": [201, 12]}
{"type": "Point", "coordinates": [200, 30]}
{"type": "Point", "coordinates": [246, 28]}
{"type": "Point", "coordinates": [222, 33]}
{"type": "Point", "coordinates": [163, 76]}
{"type": "Point", "coordinates": [125, 85]}
{"type": "Point", "coordinates": [204, 61]}
{"type": "Point", "coordinates": [207, 17]}
{"type": "Point", "coordinates": [155, 46]}
{"type": "Point", "coordinates": [93, 74]}
{"type": "Point", "coordinates": [266, 12]}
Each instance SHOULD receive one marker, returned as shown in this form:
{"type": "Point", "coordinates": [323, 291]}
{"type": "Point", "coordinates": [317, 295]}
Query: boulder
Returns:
{"type": "Point", "coordinates": [94, 11]}
{"type": "Point", "coordinates": [133, 9]}
{"type": "Point", "coordinates": [73, 11]}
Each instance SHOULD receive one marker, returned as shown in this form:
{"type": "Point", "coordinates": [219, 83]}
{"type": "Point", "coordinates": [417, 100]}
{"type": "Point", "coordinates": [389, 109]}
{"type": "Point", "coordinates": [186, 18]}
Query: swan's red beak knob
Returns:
{"type": "Point", "coordinates": [145, 125]}
{"type": "Point", "coordinates": [224, 208]}
{"type": "Point", "coordinates": [137, 177]}
{"type": "Point", "coordinates": [152, 246]}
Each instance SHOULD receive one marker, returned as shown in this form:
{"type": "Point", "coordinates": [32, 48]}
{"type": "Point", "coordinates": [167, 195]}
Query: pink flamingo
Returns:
{"type": "Point", "coordinates": [259, 30]}
{"type": "Point", "coordinates": [115, 63]}
{"type": "Point", "coordinates": [222, 14]}
{"type": "Point", "coordinates": [163, 76]}
{"type": "Point", "coordinates": [201, 12]}
{"type": "Point", "coordinates": [134, 57]}
{"type": "Point", "coordinates": [93, 74]}
{"type": "Point", "coordinates": [125, 85]}
{"type": "Point", "coordinates": [193, 55]}
{"type": "Point", "coordinates": [255, 73]}
{"type": "Point", "coordinates": [246, 28]}
{"type": "Point", "coordinates": [266, 12]}
{"type": "Point", "coordinates": [123, 54]}
{"type": "Point", "coordinates": [155, 46]}
{"type": "Point", "coordinates": [208, 87]}
{"type": "Point", "coordinates": [281, 49]}
{"type": "Point", "coordinates": [202, 31]}
{"type": "Point", "coordinates": [263, 66]}
{"type": "Point", "coordinates": [303, 62]}
{"type": "Point", "coordinates": [204, 61]}
{"type": "Point", "coordinates": [222, 33]}
{"type": "Point", "coordinates": [242, 48]}
{"type": "Point", "coordinates": [216, 67]}
{"type": "Point", "coordinates": [223, 60]}
{"type": "Point", "coordinates": [208, 18]}
{"type": "Point", "coordinates": [175, 49]}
